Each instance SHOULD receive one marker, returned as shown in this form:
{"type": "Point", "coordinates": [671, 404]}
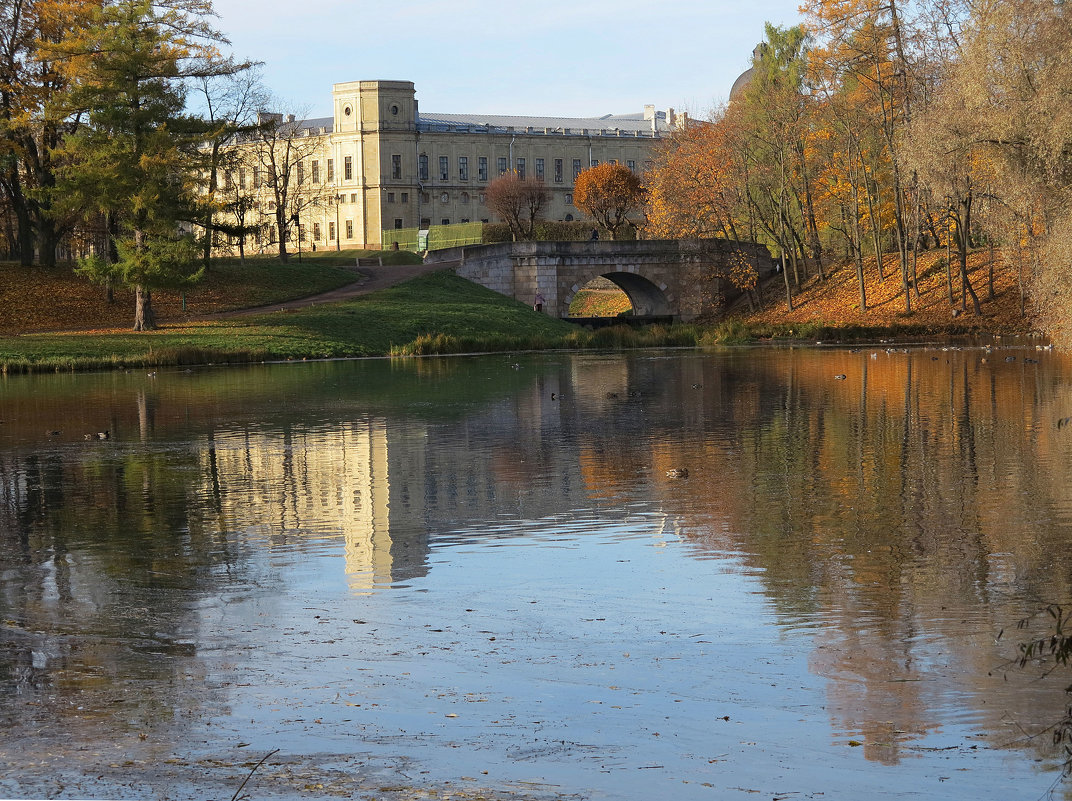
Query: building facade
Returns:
{"type": "Point", "coordinates": [378, 163]}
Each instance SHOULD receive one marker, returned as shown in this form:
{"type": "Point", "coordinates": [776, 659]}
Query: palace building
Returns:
{"type": "Point", "coordinates": [379, 163]}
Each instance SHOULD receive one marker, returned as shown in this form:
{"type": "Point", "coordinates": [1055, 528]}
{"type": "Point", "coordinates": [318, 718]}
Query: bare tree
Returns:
{"type": "Point", "coordinates": [519, 202]}
{"type": "Point", "coordinates": [282, 144]}
{"type": "Point", "coordinates": [230, 104]}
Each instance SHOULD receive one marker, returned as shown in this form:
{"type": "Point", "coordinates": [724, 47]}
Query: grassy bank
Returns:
{"type": "Point", "coordinates": [42, 298]}
{"type": "Point", "coordinates": [436, 313]}
{"type": "Point", "coordinates": [441, 313]}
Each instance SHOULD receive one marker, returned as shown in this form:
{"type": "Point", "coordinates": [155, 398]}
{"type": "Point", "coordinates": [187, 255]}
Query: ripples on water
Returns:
{"type": "Point", "coordinates": [414, 572]}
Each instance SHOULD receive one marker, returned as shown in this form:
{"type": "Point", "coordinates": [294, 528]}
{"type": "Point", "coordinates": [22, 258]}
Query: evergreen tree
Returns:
{"type": "Point", "coordinates": [134, 157]}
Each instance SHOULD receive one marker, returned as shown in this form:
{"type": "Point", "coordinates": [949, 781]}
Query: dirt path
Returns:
{"type": "Point", "coordinates": [372, 280]}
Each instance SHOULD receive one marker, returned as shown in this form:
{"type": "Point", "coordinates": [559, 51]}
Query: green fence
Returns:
{"type": "Point", "coordinates": [439, 237]}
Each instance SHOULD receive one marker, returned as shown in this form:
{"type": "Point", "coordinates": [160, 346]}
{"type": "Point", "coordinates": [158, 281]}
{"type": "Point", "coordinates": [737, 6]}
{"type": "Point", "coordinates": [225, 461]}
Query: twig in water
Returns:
{"type": "Point", "coordinates": [250, 776]}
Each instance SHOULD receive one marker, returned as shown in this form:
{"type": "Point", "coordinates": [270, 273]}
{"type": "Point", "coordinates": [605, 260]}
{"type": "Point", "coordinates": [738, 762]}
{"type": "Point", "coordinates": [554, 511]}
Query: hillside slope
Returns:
{"type": "Point", "coordinates": [835, 302]}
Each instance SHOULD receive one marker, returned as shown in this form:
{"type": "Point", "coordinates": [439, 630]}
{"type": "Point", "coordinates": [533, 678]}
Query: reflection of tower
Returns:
{"type": "Point", "coordinates": [309, 483]}
{"type": "Point", "coordinates": [367, 530]}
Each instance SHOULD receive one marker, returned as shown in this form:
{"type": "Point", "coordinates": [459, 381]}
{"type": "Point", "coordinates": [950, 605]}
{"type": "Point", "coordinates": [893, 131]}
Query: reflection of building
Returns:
{"type": "Point", "coordinates": [378, 163]}
{"type": "Point", "coordinates": [314, 482]}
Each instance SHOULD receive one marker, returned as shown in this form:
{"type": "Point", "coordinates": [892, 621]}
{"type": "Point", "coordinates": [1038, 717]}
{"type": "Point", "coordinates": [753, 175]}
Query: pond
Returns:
{"type": "Point", "coordinates": [490, 577]}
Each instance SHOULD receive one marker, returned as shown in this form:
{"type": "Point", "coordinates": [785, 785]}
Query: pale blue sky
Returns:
{"type": "Point", "coordinates": [551, 57]}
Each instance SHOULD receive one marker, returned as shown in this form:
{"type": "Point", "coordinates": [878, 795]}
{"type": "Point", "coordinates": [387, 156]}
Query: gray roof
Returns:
{"type": "Point", "coordinates": [630, 124]}
{"type": "Point", "coordinates": [607, 125]}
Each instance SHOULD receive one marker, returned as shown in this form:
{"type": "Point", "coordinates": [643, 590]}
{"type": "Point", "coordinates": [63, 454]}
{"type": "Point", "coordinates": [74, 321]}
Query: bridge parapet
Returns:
{"type": "Point", "coordinates": [685, 278]}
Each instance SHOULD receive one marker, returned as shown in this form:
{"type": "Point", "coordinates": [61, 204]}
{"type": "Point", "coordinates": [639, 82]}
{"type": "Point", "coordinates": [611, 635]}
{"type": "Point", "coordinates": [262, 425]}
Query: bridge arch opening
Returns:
{"type": "Point", "coordinates": [600, 297]}
{"type": "Point", "coordinates": [623, 293]}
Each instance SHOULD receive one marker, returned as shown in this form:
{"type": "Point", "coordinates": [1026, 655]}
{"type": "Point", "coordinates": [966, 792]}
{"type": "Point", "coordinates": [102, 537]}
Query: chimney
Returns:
{"type": "Point", "coordinates": [290, 118]}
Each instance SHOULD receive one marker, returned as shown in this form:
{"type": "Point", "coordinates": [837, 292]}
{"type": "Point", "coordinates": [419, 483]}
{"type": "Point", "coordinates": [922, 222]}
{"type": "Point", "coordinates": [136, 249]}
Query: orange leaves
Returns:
{"type": "Point", "coordinates": [743, 273]}
{"type": "Point", "coordinates": [609, 193]}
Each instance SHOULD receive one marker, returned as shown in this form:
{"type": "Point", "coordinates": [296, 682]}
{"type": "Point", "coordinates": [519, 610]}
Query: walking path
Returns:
{"type": "Point", "coordinates": [373, 279]}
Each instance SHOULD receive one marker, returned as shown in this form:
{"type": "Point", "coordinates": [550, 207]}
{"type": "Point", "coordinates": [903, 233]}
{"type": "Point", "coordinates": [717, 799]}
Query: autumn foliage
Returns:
{"type": "Point", "coordinates": [609, 193]}
{"type": "Point", "coordinates": [878, 134]}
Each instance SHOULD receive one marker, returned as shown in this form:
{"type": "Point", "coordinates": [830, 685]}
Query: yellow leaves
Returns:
{"type": "Point", "coordinates": [743, 274]}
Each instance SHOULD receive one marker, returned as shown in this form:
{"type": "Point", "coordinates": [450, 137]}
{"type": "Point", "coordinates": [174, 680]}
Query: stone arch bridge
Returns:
{"type": "Point", "coordinates": [679, 278]}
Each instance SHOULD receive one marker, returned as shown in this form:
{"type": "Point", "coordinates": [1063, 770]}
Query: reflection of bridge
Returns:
{"type": "Point", "coordinates": [682, 278]}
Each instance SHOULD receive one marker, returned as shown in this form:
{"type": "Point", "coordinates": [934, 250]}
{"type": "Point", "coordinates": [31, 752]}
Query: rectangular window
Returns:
{"type": "Point", "coordinates": [502, 165]}
{"type": "Point", "coordinates": [242, 178]}
{"type": "Point", "coordinates": [444, 168]}
{"type": "Point", "coordinates": [539, 169]}
{"type": "Point", "coordinates": [398, 222]}
{"type": "Point", "coordinates": [405, 197]}
{"type": "Point", "coordinates": [331, 231]}
{"type": "Point", "coordinates": [558, 171]}
{"type": "Point", "coordinates": [390, 197]}
{"type": "Point", "coordinates": [228, 180]}
{"type": "Point", "coordinates": [445, 221]}
{"type": "Point", "coordinates": [331, 170]}
{"type": "Point", "coordinates": [521, 168]}
{"type": "Point", "coordinates": [256, 177]}
{"type": "Point", "coordinates": [631, 165]}
{"type": "Point", "coordinates": [348, 168]}
{"type": "Point", "coordinates": [301, 173]}
{"type": "Point", "coordinates": [422, 167]}
{"type": "Point", "coordinates": [316, 171]}
{"type": "Point", "coordinates": [595, 162]}
{"type": "Point", "coordinates": [396, 166]}
{"type": "Point", "coordinates": [301, 233]}
{"type": "Point", "coordinates": [349, 229]}
{"type": "Point", "coordinates": [576, 168]}
{"type": "Point", "coordinates": [353, 197]}
{"type": "Point", "coordinates": [316, 232]}
{"type": "Point", "coordinates": [482, 168]}
{"type": "Point", "coordinates": [463, 168]}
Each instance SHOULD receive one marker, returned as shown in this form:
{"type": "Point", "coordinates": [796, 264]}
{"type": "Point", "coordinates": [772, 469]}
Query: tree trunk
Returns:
{"type": "Point", "coordinates": [47, 239]}
{"type": "Point", "coordinates": [949, 266]}
{"type": "Point", "coordinates": [144, 317]}
{"type": "Point", "coordinates": [857, 250]}
{"type": "Point", "coordinates": [281, 231]}
{"type": "Point", "coordinates": [963, 229]}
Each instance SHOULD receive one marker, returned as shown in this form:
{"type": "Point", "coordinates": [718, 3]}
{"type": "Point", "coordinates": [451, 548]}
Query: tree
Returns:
{"type": "Point", "coordinates": [1014, 76]}
{"type": "Point", "coordinates": [519, 202]}
{"type": "Point", "coordinates": [230, 104]}
{"type": "Point", "coordinates": [31, 122]}
{"type": "Point", "coordinates": [279, 154]}
{"type": "Point", "coordinates": [609, 193]}
{"type": "Point", "coordinates": [131, 158]}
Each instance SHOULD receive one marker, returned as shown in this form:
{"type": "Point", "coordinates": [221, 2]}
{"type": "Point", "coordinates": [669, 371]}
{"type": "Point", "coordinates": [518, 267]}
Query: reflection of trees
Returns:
{"type": "Point", "coordinates": [872, 508]}
{"type": "Point", "coordinates": [94, 649]}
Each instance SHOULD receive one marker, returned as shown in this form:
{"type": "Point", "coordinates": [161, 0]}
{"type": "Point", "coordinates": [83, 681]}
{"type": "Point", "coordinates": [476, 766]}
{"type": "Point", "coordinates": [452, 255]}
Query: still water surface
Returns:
{"type": "Point", "coordinates": [473, 575]}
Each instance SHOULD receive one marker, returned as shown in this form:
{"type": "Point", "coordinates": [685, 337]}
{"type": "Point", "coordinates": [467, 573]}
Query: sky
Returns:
{"type": "Point", "coordinates": [574, 58]}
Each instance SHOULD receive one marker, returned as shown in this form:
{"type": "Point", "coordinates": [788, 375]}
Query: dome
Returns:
{"type": "Point", "coordinates": [745, 77]}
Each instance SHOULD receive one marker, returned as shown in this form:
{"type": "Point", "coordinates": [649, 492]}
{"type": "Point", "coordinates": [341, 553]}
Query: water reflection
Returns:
{"type": "Point", "coordinates": [894, 522]}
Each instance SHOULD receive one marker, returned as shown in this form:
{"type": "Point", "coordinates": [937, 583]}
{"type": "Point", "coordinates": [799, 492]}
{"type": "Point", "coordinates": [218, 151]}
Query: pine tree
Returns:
{"type": "Point", "coordinates": [134, 157]}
